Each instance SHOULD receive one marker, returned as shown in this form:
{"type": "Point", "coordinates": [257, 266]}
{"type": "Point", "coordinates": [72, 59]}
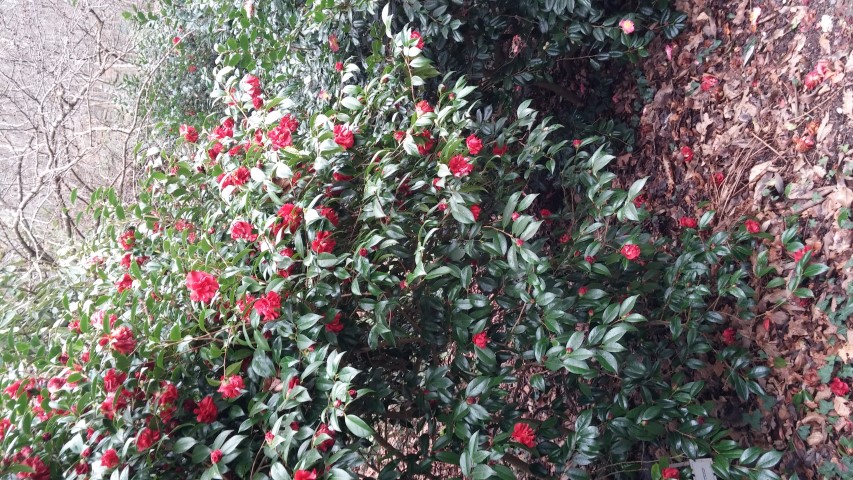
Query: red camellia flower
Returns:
{"type": "Point", "coordinates": [202, 285]}
{"type": "Point", "coordinates": [630, 251]}
{"type": "Point", "coordinates": [280, 137]}
{"type": "Point", "coordinates": [214, 151]}
{"type": "Point", "coordinates": [708, 83]}
{"type": "Point", "coordinates": [146, 438]}
{"type": "Point", "coordinates": [328, 443]}
{"type": "Point", "coordinates": [839, 387]}
{"type": "Point", "coordinates": [82, 468]}
{"type": "Point", "coordinates": [523, 434]}
{"type": "Point", "coordinates": [688, 222]}
{"type": "Point", "coordinates": [257, 102]}
{"type": "Point", "coordinates": [113, 379]}
{"type": "Point", "coordinates": [168, 393]}
{"type": "Point", "coordinates": [339, 66]}
{"type": "Point", "coordinates": [399, 135]}
{"type": "Point", "coordinates": [335, 326]}
{"type": "Point", "coordinates": [215, 456]}
{"type": "Point", "coordinates": [268, 306]}
{"type": "Point", "coordinates": [344, 137]}
{"type": "Point", "coordinates": [125, 283]}
{"type": "Point", "coordinates": [122, 341]}
{"type": "Point", "coordinates": [474, 144]}
{"type": "Point", "coordinates": [499, 151]}
{"type": "Point", "coordinates": [232, 386]}
{"type": "Point", "coordinates": [719, 178]}
{"type": "Point", "coordinates": [812, 79]}
{"type": "Point", "coordinates": [242, 230]}
{"type": "Point", "coordinates": [417, 35]}
{"type": "Point", "coordinates": [799, 254]}
{"type": "Point", "coordinates": [189, 133]}
{"type": "Point", "coordinates": [564, 238]}
{"type": "Point", "coordinates": [480, 340]}
{"type": "Point", "coordinates": [475, 211]}
{"type": "Point", "coordinates": [333, 43]}
{"type": "Point", "coordinates": [687, 153]}
{"type": "Point", "coordinates": [291, 216]}
{"type": "Point", "coordinates": [39, 470]}
{"type": "Point", "coordinates": [459, 166]}
{"type": "Point", "coordinates": [670, 472]}
{"type": "Point", "coordinates": [128, 239]}
{"type": "Point", "coordinates": [729, 336]}
{"type": "Point", "coordinates": [330, 215]}
{"type": "Point", "coordinates": [423, 107]}
{"type": "Point", "coordinates": [323, 242]}
{"type": "Point", "coordinates": [206, 410]}
{"type": "Point", "coordinates": [14, 390]}
{"type": "Point", "coordinates": [109, 458]}
{"type": "Point", "coordinates": [752, 226]}
{"type": "Point", "coordinates": [305, 475]}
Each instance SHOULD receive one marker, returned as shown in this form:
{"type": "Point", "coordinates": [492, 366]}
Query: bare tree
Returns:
{"type": "Point", "coordinates": [62, 133]}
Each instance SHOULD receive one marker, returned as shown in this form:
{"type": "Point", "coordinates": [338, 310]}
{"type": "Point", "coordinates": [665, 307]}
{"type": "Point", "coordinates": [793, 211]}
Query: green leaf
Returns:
{"type": "Point", "coordinates": [769, 459]}
{"type": "Point", "coordinates": [184, 444]}
{"type": "Point", "coordinates": [358, 427]}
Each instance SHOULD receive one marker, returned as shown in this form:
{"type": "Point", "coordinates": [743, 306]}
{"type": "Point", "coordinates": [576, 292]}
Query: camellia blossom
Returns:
{"type": "Point", "coordinates": [206, 411]}
{"type": "Point", "coordinates": [687, 153]}
{"type": "Point", "coordinates": [280, 137]}
{"type": "Point", "coordinates": [839, 387]}
{"type": "Point", "coordinates": [339, 66]}
{"type": "Point", "coordinates": [752, 226]}
{"type": "Point", "coordinates": [231, 387]}
{"type": "Point", "coordinates": [523, 434]}
{"type": "Point", "coordinates": [128, 239]}
{"type": "Point", "coordinates": [146, 439]}
{"type": "Point", "coordinates": [330, 215]}
{"type": "Point", "coordinates": [688, 222]}
{"type": "Point", "coordinates": [499, 151]}
{"type": "Point", "coordinates": [423, 107]}
{"type": "Point", "coordinates": [799, 254]}
{"type": "Point", "coordinates": [291, 216]}
{"type": "Point", "coordinates": [474, 144]}
{"type": "Point", "coordinates": [417, 35]}
{"type": "Point", "coordinates": [670, 473]}
{"type": "Point", "coordinates": [460, 166]}
{"type": "Point", "coordinates": [323, 242]}
{"type": "Point", "coordinates": [708, 83]}
{"type": "Point", "coordinates": [268, 306]}
{"type": "Point", "coordinates": [627, 26]}
{"type": "Point", "coordinates": [305, 475]}
{"type": "Point", "coordinates": [328, 443]}
{"type": "Point", "coordinates": [125, 283]}
{"type": "Point", "coordinates": [630, 251]}
{"type": "Point", "coordinates": [335, 326]}
{"type": "Point", "coordinates": [121, 340]}
{"type": "Point", "coordinates": [110, 458]}
{"type": "Point", "coordinates": [475, 211]}
{"type": "Point", "coordinates": [215, 456]}
{"type": "Point", "coordinates": [480, 340]}
{"type": "Point", "coordinates": [189, 133]}
{"type": "Point", "coordinates": [242, 230]}
{"type": "Point", "coordinates": [334, 46]}
{"type": "Point", "coordinates": [202, 285]}
{"type": "Point", "coordinates": [344, 137]}
{"type": "Point", "coordinates": [729, 336]}
{"type": "Point", "coordinates": [113, 379]}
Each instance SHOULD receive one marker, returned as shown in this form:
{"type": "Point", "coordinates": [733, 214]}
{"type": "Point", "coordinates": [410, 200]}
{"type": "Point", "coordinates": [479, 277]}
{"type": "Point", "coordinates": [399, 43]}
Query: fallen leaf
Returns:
{"type": "Point", "coordinates": [846, 352]}
{"type": "Point", "coordinates": [816, 438]}
{"type": "Point", "coordinates": [839, 404]}
{"type": "Point", "coordinates": [847, 104]}
{"type": "Point", "coordinates": [757, 171]}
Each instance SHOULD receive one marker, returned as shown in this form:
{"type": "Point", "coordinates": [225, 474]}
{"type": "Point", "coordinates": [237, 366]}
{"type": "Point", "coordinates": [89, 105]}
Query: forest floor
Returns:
{"type": "Point", "coordinates": [731, 87]}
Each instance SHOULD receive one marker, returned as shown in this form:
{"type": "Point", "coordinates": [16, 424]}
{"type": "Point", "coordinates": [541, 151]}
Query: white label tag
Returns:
{"type": "Point", "coordinates": [702, 469]}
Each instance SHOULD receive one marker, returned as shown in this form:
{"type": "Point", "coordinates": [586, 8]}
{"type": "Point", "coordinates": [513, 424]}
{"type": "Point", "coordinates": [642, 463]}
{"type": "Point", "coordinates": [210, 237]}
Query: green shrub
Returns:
{"type": "Point", "coordinates": [373, 281]}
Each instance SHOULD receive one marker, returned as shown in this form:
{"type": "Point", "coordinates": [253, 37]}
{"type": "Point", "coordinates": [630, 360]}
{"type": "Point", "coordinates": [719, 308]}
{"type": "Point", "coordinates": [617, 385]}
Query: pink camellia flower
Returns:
{"type": "Point", "coordinates": [242, 230]}
{"type": "Point", "coordinates": [576, 143]}
{"type": "Point", "coordinates": [480, 340]}
{"type": "Point", "coordinates": [423, 107]}
{"type": "Point", "coordinates": [231, 387]}
{"type": "Point", "coordinates": [344, 137]}
{"type": "Point", "coordinates": [627, 26]}
{"type": "Point", "coordinates": [323, 242]}
{"type": "Point", "coordinates": [189, 133]}
{"type": "Point", "coordinates": [839, 387]}
{"type": "Point", "coordinates": [688, 222]}
{"type": "Point", "coordinates": [417, 35]}
{"type": "Point", "coordinates": [630, 251]}
{"type": "Point", "coordinates": [475, 211]}
{"type": "Point", "coordinates": [752, 226]}
{"type": "Point", "coordinates": [215, 456]}
{"type": "Point", "coordinates": [687, 153]}
{"type": "Point", "coordinates": [474, 144]}
{"type": "Point", "coordinates": [459, 166]}
{"type": "Point", "coordinates": [729, 336]}
{"type": "Point", "coordinates": [523, 434]}
{"type": "Point", "coordinates": [202, 285]}
{"type": "Point", "coordinates": [333, 43]}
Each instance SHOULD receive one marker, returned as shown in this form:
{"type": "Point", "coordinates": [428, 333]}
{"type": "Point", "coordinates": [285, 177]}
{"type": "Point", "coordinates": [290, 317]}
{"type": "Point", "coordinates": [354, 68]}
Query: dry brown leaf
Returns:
{"type": "Point", "coordinates": [758, 170]}
{"type": "Point", "coordinates": [847, 104]}
{"type": "Point", "coordinates": [825, 128]}
{"type": "Point", "coordinates": [841, 407]}
{"type": "Point", "coordinates": [816, 438]}
{"type": "Point", "coordinates": [846, 352]}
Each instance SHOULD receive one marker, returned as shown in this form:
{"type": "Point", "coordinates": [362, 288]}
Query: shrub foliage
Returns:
{"type": "Point", "coordinates": [350, 268]}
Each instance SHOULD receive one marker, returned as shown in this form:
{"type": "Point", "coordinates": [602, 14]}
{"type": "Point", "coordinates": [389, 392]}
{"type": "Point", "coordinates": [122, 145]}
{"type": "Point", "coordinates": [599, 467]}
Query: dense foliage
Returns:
{"type": "Point", "coordinates": [353, 269]}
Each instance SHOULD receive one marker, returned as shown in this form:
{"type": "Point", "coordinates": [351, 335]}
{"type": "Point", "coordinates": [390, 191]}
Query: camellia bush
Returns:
{"type": "Point", "coordinates": [374, 283]}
